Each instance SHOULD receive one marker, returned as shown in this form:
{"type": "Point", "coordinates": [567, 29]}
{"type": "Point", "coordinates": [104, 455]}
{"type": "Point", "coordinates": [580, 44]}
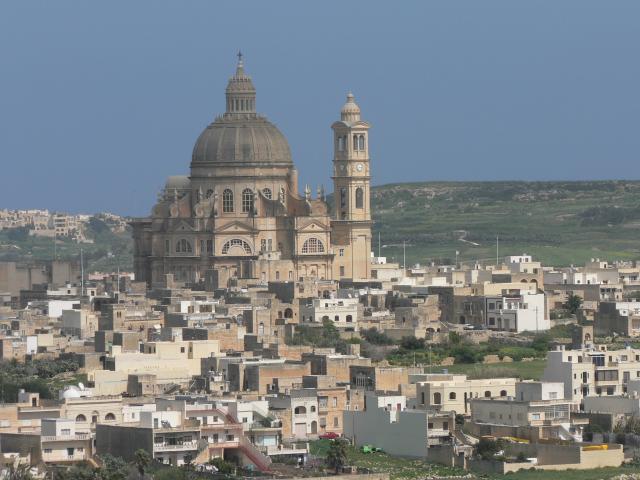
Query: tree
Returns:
{"type": "Point", "coordinates": [113, 468]}
{"type": "Point", "coordinates": [17, 472]}
{"type": "Point", "coordinates": [337, 454]}
{"type": "Point", "coordinates": [412, 343]}
{"type": "Point", "coordinates": [142, 461]}
{"type": "Point", "coordinates": [454, 338]}
{"type": "Point", "coordinates": [574, 302]}
{"type": "Point", "coordinates": [486, 448]}
{"type": "Point", "coordinates": [222, 465]}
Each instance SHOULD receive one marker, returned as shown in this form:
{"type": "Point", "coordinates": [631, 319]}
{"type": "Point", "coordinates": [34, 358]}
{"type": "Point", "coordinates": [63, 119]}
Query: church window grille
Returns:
{"type": "Point", "coordinates": [359, 198]}
{"type": "Point", "coordinates": [236, 242]}
{"type": "Point", "coordinates": [183, 246]}
{"type": "Point", "coordinates": [312, 245]}
{"type": "Point", "coordinates": [267, 193]}
{"type": "Point", "coordinates": [247, 200]}
{"type": "Point", "coordinates": [227, 201]}
{"type": "Point", "coordinates": [361, 142]}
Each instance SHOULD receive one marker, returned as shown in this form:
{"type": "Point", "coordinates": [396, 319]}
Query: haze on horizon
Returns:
{"type": "Point", "coordinates": [100, 102]}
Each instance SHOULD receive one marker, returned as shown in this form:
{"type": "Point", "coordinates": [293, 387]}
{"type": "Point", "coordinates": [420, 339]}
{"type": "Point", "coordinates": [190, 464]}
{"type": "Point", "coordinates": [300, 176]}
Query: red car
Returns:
{"type": "Point", "coordinates": [330, 436]}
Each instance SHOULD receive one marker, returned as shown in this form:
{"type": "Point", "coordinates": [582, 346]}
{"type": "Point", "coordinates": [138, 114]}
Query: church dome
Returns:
{"type": "Point", "coordinates": [241, 136]}
{"type": "Point", "coordinates": [250, 140]}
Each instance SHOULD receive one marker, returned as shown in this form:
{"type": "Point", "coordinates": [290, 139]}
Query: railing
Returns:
{"type": "Point", "coordinates": [259, 459]}
{"type": "Point", "coordinates": [59, 438]}
{"type": "Point", "coordinates": [163, 447]}
{"type": "Point", "coordinates": [64, 457]}
{"type": "Point", "coordinates": [293, 449]}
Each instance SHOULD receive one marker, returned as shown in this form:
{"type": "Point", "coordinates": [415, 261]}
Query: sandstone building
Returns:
{"type": "Point", "coordinates": [239, 213]}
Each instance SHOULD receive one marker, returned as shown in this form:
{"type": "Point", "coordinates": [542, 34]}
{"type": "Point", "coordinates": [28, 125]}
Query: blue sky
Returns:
{"type": "Point", "coordinates": [101, 101]}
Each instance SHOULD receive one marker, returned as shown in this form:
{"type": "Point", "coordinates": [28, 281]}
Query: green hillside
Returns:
{"type": "Point", "coordinates": [107, 252]}
{"type": "Point", "coordinates": [559, 223]}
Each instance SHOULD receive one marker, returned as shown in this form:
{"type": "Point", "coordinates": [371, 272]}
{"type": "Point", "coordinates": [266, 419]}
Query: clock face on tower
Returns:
{"type": "Point", "coordinates": [359, 167]}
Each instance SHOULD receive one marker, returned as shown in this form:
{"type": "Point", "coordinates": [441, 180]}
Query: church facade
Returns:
{"type": "Point", "coordinates": [239, 213]}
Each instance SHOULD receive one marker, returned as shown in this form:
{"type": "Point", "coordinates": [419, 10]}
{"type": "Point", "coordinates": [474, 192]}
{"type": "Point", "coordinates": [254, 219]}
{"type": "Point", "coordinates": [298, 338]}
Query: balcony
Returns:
{"type": "Point", "coordinates": [301, 448]}
{"type": "Point", "coordinates": [65, 438]}
{"type": "Point", "coordinates": [60, 456]}
{"type": "Point", "coordinates": [166, 447]}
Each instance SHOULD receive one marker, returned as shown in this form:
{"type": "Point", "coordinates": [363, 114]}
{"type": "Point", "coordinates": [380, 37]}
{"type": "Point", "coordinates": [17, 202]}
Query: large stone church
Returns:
{"type": "Point", "coordinates": [239, 214]}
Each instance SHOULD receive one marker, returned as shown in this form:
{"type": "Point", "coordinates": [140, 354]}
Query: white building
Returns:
{"type": "Point", "coordinates": [538, 411]}
{"type": "Point", "coordinates": [343, 312]}
{"type": "Point", "coordinates": [524, 311]}
{"type": "Point", "coordinates": [592, 371]}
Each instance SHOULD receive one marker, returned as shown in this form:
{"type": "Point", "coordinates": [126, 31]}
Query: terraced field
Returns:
{"type": "Point", "coordinates": [559, 223]}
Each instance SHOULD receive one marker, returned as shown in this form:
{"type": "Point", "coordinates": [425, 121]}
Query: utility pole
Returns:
{"type": "Point", "coordinates": [404, 256]}
{"type": "Point", "coordinates": [81, 274]}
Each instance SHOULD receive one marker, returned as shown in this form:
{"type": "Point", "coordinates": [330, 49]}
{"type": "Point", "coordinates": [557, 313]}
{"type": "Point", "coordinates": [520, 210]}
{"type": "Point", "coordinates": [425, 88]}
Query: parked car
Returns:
{"type": "Point", "coordinates": [330, 436]}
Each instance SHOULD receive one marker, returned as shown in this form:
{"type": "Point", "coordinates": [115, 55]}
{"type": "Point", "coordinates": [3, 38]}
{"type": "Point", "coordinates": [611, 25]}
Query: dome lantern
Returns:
{"type": "Point", "coordinates": [241, 94]}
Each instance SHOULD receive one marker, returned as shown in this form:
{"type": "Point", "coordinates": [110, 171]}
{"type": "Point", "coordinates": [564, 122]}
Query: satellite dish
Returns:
{"type": "Point", "coordinates": [81, 386]}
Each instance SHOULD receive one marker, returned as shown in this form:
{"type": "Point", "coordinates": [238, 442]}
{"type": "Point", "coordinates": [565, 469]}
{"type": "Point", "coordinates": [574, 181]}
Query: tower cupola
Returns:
{"type": "Point", "coordinates": [350, 111]}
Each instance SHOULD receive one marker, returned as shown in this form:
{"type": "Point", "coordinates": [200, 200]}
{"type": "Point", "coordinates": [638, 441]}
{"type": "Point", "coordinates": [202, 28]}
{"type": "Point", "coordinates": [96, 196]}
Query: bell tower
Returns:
{"type": "Point", "coordinates": [351, 225]}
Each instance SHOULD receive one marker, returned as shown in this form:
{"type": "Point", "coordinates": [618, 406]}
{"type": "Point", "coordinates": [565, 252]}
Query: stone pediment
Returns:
{"type": "Point", "coordinates": [182, 226]}
{"type": "Point", "coordinates": [235, 227]}
{"type": "Point", "coordinates": [311, 225]}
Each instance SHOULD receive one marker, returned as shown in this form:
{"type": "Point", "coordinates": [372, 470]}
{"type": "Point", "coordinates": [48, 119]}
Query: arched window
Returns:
{"type": "Point", "coordinates": [109, 416]}
{"type": "Point", "coordinates": [487, 394]}
{"type": "Point", "coordinates": [227, 200]}
{"type": "Point", "coordinates": [452, 396]}
{"type": "Point", "coordinates": [183, 246]}
{"type": "Point", "coordinates": [81, 418]}
{"type": "Point", "coordinates": [300, 410]}
{"type": "Point", "coordinates": [312, 245]}
{"type": "Point", "coordinates": [503, 393]}
{"type": "Point", "coordinates": [437, 399]}
{"type": "Point", "coordinates": [288, 313]}
{"type": "Point", "coordinates": [349, 318]}
{"type": "Point", "coordinates": [236, 242]}
{"type": "Point", "coordinates": [341, 144]}
{"type": "Point", "coordinates": [359, 198]}
{"type": "Point", "coordinates": [361, 142]}
{"type": "Point", "coordinates": [343, 198]}
{"type": "Point", "coordinates": [355, 142]}
{"type": "Point", "coordinates": [247, 200]}
{"type": "Point", "coordinates": [267, 193]}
